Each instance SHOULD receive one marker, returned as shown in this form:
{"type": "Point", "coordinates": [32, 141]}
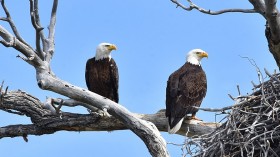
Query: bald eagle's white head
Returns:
{"type": "Point", "coordinates": [103, 50]}
{"type": "Point", "coordinates": [195, 56]}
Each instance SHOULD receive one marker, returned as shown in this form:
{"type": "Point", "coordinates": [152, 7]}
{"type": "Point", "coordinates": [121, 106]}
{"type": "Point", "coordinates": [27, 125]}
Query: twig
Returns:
{"type": "Point", "coordinates": [6, 90]}
{"type": "Point", "coordinates": [248, 99]}
{"type": "Point", "coordinates": [7, 44]}
{"type": "Point", "coordinates": [1, 93]}
{"type": "Point", "coordinates": [238, 89]}
{"type": "Point", "coordinates": [28, 60]}
{"type": "Point", "coordinates": [254, 85]}
{"type": "Point", "coordinates": [2, 84]}
{"type": "Point", "coordinates": [271, 14]}
{"type": "Point", "coordinates": [270, 75]}
{"type": "Point", "coordinates": [232, 98]}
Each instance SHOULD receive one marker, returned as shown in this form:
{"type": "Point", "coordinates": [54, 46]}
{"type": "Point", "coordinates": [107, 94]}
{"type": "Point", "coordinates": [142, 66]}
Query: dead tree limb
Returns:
{"type": "Point", "coordinates": [192, 6]}
{"type": "Point", "coordinates": [47, 122]}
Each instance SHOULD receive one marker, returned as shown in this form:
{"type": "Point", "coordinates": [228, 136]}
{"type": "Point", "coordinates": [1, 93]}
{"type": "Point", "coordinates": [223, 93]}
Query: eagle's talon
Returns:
{"type": "Point", "coordinates": [104, 113]}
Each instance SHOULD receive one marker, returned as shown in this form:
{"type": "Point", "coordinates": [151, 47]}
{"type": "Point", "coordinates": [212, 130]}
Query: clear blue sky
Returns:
{"type": "Point", "coordinates": [153, 38]}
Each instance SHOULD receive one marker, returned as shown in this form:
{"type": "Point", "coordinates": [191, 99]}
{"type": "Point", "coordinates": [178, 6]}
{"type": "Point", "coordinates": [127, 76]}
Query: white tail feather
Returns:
{"type": "Point", "coordinates": [176, 127]}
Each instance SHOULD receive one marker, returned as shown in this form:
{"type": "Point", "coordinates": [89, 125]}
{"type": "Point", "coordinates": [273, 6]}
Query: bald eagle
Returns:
{"type": "Point", "coordinates": [186, 87]}
{"type": "Point", "coordinates": [102, 73]}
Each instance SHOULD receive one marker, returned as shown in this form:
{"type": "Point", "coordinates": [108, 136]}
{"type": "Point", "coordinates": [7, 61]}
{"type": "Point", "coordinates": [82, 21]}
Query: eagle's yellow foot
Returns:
{"type": "Point", "coordinates": [193, 117]}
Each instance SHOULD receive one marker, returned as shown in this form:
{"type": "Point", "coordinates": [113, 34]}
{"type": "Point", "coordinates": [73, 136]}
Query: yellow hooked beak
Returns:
{"type": "Point", "coordinates": [203, 54]}
{"type": "Point", "coordinates": [112, 47]}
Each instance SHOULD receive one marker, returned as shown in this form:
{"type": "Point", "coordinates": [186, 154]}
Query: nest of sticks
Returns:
{"type": "Point", "coordinates": [252, 127]}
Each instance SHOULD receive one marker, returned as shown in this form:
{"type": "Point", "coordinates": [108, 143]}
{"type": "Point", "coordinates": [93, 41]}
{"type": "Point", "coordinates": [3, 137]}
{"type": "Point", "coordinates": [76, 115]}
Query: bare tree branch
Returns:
{"type": "Point", "coordinates": [45, 119]}
{"type": "Point", "coordinates": [51, 28]}
{"type": "Point", "coordinates": [271, 75]}
{"type": "Point", "coordinates": [11, 41]}
{"type": "Point", "coordinates": [37, 28]}
{"type": "Point", "coordinates": [13, 26]}
{"type": "Point", "coordinates": [42, 36]}
{"type": "Point", "coordinates": [6, 44]}
{"type": "Point", "coordinates": [71, 103]}
{"type": "Point", "coordinates": [194, 6]}
{"type": "Point", "coordinates": [24, 130]}
{"type": "Point", "coordinates": [144, 130]}
{"type": "Point", "coordinates": [245, 99]}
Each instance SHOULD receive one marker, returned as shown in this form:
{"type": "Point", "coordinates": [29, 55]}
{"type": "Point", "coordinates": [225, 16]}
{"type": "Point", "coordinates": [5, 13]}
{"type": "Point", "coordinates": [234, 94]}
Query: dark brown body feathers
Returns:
{"type": "Point", "coordinates": [186, 87]}
{"type": "Point", "coordinates": [102, 78]}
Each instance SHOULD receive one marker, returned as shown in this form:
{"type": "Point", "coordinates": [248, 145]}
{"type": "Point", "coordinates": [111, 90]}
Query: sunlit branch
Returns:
{"type": "Point", "coordinates": [37, 28]}
{"type": "Point", "coordinates": [12, 41]}
{"type": "Point", "coordinates": [52, 31]}
{"type": "Point", "coordinates": [37, 17]}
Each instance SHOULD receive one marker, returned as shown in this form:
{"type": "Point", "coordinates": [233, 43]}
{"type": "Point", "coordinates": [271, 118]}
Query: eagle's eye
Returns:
{"type": "Point", "coordinates": [197, 53]}
{"type": "Point", "coordinates": [106, 45]}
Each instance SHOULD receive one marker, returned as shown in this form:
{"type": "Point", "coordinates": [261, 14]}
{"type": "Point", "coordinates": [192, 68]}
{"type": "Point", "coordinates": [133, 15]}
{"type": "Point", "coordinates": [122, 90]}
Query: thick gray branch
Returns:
{"type": "Point", "coordinates": [47, 122]}
{"type": "Point", "coordinates": [146, 131]}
